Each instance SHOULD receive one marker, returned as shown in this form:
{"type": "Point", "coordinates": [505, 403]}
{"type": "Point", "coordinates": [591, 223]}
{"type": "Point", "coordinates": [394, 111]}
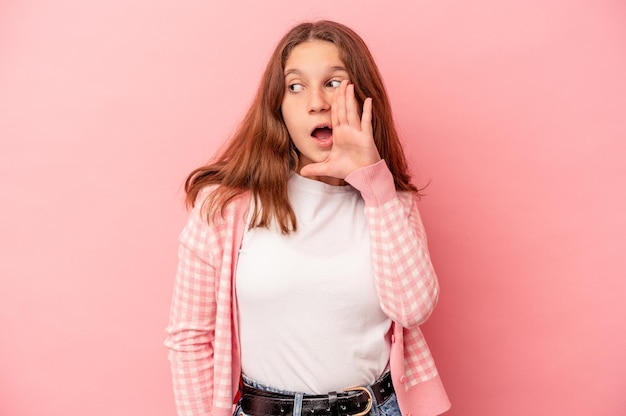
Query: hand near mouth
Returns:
{"type": "Point", "coordinates": [353, 138]}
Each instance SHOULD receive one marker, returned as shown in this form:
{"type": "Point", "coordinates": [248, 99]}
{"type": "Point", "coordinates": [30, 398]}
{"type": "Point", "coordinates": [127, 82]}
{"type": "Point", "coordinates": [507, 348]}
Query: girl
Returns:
{"type": "Point", "coordinates": [303, 268]}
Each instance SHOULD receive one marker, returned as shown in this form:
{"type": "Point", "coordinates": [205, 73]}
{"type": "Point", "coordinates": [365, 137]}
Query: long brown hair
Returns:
{"type": "Point", "coordinates": [260, 156]}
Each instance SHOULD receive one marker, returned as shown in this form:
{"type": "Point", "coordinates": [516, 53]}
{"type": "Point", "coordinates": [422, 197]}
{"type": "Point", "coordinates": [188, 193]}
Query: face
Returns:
{"type": "Point", "coordinates": [313, 72]}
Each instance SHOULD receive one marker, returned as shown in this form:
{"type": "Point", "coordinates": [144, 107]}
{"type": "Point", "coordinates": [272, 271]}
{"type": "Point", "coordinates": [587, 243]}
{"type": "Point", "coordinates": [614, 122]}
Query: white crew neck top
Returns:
{"type": "Point", "coordinates": [309, 316]}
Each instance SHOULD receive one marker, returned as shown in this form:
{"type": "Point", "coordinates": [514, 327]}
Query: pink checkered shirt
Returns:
{"type": "Point", "coordinates": [202, 335]}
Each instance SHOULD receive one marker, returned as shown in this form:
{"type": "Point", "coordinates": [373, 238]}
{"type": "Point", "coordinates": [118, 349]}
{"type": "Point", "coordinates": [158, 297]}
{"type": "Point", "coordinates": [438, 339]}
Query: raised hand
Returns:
{"type": "Point", "coordinates": [353, 139]}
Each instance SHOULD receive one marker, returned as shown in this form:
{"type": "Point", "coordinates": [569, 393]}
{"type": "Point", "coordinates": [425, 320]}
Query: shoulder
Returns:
{"type": "Point", "coordinates": [408, 198]}
{"type": "Point", "coordinates": [206, 227]}
{"type": "Point", "coordinates": [208, 204]}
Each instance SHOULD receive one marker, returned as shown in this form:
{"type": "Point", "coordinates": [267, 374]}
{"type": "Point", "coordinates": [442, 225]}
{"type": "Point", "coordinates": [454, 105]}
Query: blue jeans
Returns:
{"type": "Point", "coordinates": [388, 408]}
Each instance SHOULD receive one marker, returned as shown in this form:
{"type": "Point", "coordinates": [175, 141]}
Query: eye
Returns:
{"type": "Point", "coordinates": [334, 83]}
{"type": "Point", "coordinates": [295, 87]}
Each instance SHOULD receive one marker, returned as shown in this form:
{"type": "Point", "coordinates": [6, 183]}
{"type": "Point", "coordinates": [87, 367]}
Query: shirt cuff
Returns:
{"type": "Point", "coordinates": [375, 182]}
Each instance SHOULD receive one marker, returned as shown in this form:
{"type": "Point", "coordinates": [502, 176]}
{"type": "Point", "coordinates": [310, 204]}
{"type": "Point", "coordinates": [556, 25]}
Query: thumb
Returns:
{"type": "Point", "coordinates": [314, 169]}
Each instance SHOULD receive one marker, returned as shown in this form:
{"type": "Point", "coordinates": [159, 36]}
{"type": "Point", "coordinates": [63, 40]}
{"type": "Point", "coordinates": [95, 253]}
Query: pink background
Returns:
{"type": "Point", "coordinates": [514, 114]}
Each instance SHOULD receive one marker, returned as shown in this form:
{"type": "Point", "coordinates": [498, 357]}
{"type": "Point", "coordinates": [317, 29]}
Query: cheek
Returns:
{"type": "Point", "coordinates": [289, 121]}
{"type": "Point", "coordinates": [290, 113]}
{"type": "Point", "coordinates": [286, 115]}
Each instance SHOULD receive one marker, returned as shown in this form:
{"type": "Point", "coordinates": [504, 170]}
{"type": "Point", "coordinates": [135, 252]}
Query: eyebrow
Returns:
{"type": "Point", "coordinates": [298, 72]}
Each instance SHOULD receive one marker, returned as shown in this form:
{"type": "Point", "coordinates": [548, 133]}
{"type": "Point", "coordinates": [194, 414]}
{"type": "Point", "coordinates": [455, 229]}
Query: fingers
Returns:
{"type": "Point", "coordinates": [352, 115]}
{"type": "Point", "coordinates": [366, 118]}
{"type": "Point", "coordinates": [345, 110]}
{"type": "Point", "coordinates": [334, 112]}
{"type": "Point", "coordinates": [340, 104]}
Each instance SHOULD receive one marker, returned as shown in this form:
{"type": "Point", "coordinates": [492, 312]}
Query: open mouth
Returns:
{"type": "Point", "coordinates": [322, 133]}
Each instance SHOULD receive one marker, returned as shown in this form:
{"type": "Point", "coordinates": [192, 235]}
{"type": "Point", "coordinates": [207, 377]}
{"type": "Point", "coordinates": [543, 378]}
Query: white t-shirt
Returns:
{"type": "Point", "coordinates": [309, 315]}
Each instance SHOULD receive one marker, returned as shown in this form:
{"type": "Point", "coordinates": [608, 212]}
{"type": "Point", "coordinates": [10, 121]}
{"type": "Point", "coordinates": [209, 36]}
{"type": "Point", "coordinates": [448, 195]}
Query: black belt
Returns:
{"type": "Point", "coordinates": [353, 401]}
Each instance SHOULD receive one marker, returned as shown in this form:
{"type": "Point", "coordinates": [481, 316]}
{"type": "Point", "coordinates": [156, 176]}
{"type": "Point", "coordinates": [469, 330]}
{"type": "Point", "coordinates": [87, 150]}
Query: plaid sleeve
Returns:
{"type": "Point", "coordinates": [191, 328]}
{"type": "Point", "coordinates": [404, 276]}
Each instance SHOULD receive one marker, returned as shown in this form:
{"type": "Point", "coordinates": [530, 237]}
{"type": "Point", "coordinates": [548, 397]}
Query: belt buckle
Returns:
{"type": "Point", "coordinates": [369, 400]}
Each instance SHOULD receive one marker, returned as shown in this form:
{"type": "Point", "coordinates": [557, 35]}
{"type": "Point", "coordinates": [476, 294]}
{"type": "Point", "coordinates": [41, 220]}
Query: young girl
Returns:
{"type": "Point", "coordinates": [303, 270]}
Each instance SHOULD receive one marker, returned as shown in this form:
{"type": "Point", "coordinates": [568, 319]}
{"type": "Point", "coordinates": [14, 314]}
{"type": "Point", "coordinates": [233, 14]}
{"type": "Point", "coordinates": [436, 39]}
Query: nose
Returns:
{"type": "Point", "coordinates": [319, 100]}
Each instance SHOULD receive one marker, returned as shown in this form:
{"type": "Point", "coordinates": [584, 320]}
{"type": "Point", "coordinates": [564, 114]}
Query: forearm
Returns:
{"type": "Point", "coordinates": [405, 279]}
